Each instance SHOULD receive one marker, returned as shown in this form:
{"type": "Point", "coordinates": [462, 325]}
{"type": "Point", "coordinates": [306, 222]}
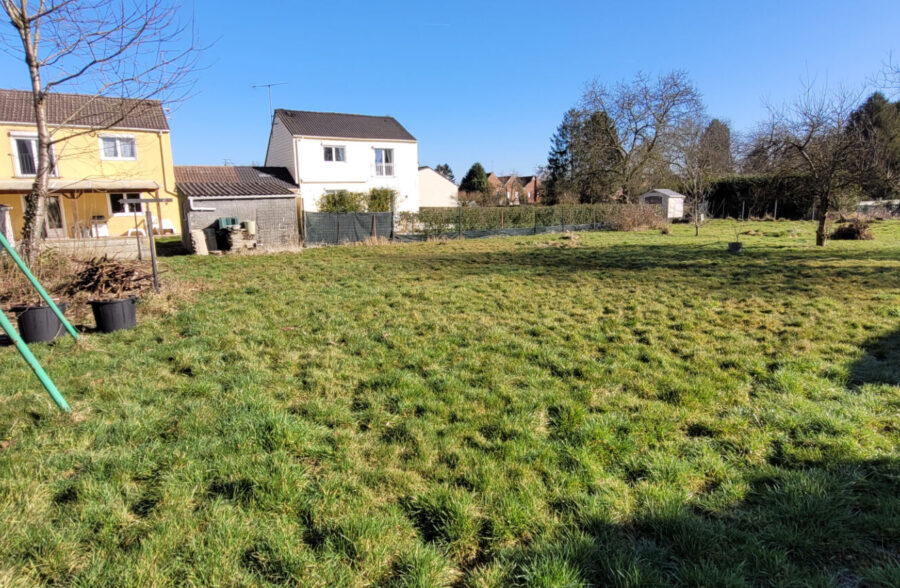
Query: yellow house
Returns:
{"type": "Point", "coordinates": [95, 170]}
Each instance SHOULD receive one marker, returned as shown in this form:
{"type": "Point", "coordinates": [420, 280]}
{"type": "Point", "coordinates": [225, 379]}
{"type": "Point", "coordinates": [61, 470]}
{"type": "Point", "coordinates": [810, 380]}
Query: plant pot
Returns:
{"type": "Point", "coordinates": [735, 246]}
{"type": "Point", "coordinates": [39, 324]}
{"type": "Point", "coordinates": [114, 315]}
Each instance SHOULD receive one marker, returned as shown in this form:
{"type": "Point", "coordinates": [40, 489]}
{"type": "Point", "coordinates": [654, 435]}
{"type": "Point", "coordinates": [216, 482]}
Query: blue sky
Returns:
{"type": "Point", "coordinates": [489, 81]}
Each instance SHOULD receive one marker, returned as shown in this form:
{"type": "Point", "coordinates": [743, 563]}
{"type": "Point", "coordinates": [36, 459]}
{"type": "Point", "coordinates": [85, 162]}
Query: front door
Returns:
{"type": "Point", "coordinates": [54, 226]}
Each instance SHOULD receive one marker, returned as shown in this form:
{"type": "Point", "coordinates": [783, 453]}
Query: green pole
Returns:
{"type": "Point", "coordinates": [37, 286]}
{"type": "Point", "coordinates": [33, 362]}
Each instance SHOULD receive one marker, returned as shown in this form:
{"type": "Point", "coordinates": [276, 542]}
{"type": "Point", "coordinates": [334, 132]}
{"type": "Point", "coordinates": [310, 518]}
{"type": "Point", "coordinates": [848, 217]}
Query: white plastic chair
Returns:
{"type": "Point", "coordinates": [166, 226]}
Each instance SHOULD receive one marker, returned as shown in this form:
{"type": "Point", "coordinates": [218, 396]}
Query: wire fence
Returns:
{"type": "Point", "coordinates": [331, 228]}
{"type": "Point", "coordinates": [474, 222]}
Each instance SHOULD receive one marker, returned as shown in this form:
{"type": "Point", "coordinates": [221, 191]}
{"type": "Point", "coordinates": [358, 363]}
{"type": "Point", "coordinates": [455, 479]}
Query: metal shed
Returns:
{"type": "Point", "coordinates": [671, 202]}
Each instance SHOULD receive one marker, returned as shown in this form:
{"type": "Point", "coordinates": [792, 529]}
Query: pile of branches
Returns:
{"type": "Point", "coordinates": [105, 277]}
{"type": "Point", "coordinates": [855, 229]}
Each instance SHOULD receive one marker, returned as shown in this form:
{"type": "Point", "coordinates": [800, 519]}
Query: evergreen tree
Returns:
{"type": "Point", "coordinates": [715, 148]}
{"type": "Point", "coordinates": [877, 123]}
{"type": "Point", "coordinates": [595, 157]}
{"type": "Point", "coordinates": [444, 170]}
{"type": "Point", "coordinates": [559, 161]}
{"type": "Point", "coordinates": [475, 180]}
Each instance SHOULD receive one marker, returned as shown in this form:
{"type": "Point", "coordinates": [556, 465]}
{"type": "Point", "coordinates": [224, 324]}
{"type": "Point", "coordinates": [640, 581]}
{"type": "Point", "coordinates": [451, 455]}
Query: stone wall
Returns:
{"type": "Point", "coordinates": [114, 247]}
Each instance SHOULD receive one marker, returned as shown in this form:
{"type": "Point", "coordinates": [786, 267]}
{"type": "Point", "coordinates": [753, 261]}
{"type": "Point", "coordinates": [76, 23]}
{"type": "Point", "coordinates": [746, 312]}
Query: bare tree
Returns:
{"type": "Point", "coordinates": [695, 159]}
{"type": "Point", "coordinates": [813, 137]}
{"type": "Point", "coordinates": [642, 115]}
{"type": "Point", "coordinates": [121, 53]}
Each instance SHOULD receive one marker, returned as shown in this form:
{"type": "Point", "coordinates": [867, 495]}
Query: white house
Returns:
{"type": "Point", "coordinates": [327, 151]}
{"type": "Point", "coordinates": [671, 201]}
{"type": "Point", "coordinates": [435, 190]}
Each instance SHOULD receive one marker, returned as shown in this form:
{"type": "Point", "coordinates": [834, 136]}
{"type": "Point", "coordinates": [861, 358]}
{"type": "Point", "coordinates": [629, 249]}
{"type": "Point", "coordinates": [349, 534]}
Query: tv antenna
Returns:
{"type": "Point", "coordinates": [269, 88]}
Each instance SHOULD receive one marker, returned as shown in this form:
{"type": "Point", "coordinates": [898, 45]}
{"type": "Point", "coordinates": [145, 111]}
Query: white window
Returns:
{"type": "Point", "coordinates": [118, 205]}
{"type": "Point", "coordinates": [334, 154]}
{"type": "Point", "coordinates": [117, 147]}
{"type": "Point", "coordinates": [384, 162]}
{"type": "Point", "coordinates": [25, 148]}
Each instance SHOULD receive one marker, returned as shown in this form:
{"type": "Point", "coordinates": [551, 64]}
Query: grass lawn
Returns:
{"type": "Point", "coordinates": [598, 409]}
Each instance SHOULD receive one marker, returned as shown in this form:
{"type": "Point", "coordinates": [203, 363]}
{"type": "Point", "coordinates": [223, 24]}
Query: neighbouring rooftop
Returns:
{"type": "Point", "coordinates": [233, 180]}
{"type": "Point", "coordinates": [81, 110]}
{"type": "Point", "coordinates": [342, 126]}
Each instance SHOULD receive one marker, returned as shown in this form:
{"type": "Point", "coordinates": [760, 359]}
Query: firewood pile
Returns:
{"type": "Point", "coordinates": [103, 277]}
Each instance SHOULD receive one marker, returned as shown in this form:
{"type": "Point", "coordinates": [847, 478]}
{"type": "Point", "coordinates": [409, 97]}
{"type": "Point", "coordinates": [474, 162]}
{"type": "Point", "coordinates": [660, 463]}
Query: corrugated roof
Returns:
{"type": "Point", "coordinates": [233, 180]}
{"type": "Point", "coordinates": [342, 126]}
{"type": "Point", "coordinates": [85, 111]}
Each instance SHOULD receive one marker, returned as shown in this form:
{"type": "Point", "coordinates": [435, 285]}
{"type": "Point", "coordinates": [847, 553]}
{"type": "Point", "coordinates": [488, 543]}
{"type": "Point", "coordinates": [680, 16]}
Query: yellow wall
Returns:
{"type": "Point", "coordinates": [78, 158]}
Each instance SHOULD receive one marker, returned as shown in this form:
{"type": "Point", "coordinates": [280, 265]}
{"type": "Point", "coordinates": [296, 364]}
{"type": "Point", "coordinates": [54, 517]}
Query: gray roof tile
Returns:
{"type": "Point", "coordinates": [85, 111]}
{"type": "Point", "coordinates": [342, 126]}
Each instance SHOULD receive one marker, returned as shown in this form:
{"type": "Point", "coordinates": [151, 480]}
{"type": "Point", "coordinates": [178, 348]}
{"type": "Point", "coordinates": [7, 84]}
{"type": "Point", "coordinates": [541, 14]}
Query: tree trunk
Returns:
{"type": "Point", "coordinates": [36, 201]}
{"type": "Point", "coordinates": [824, 206]}
{"type": "Point", "coordinates": [822, 230]}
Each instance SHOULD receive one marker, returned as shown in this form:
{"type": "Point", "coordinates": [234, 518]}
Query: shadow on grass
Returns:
{"type": "Point", "coordinates": [832, 523]}
{"type": "Point", "coordinates": [170, 247]}
{"type": "Point", "coordinates": [783, 267]}
{"type": "Point", "coordinates": [881, 362]}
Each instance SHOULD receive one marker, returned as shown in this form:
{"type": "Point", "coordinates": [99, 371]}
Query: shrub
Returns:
{"type": "Point", "coordinates": [632, 217]}
{"type": "Point", "coordinates": [381, 200]}
{"type": "Point", "coordinates": [342, 201]}
{"type": "Point", "coordinates": [856, 229]}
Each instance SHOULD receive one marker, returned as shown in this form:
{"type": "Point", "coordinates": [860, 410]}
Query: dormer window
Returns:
{"type": "Point", "coordinates": [118, 147]}
{"type": "Point", "coordinates": [333, 153]}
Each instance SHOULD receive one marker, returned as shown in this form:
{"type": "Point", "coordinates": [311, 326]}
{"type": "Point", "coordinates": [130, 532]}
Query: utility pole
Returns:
{"type": "Point", "coordinates": [269, 88]}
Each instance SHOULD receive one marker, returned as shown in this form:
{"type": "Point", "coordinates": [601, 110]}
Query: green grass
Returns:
{"type": "Point", "coordinates": [604, 409]}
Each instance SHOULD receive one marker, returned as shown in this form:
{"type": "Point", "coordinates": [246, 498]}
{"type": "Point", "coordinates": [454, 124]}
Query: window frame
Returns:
{"type": "Point", "coordinates": [334, 150]}
{"type": "Point", "coordinates": [117, 137]}
{"type": "Point", "coordinates": [126, 212]}
{"type": "Point", "coordinates": [14, 137]}
{"type": "Point", "coordinates": [384, 164]}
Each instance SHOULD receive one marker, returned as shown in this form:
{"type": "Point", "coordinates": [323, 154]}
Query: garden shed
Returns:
{"type": "Point", "coordinates": [262, 200]}
{"type": "Point", "coordinates": [671, 202]}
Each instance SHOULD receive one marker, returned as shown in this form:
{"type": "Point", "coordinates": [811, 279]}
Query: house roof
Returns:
{"type": "Point", "coordinates": [85, 111]}
{"type": "Point", "coordinates": [437, 173]}
{"type": "Point", "coordinates": [233, 180]}
{"type": "Point", "coordinates": [342, 126]}
{"type": "Point", "coordinates": [665, 192]}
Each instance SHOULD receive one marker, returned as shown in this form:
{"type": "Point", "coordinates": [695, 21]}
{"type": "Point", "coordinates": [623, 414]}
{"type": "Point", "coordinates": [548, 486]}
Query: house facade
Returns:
{"type": "Point", "coordinates": [94, 171]}
{"type": "Point", "coordinates": [328, 152]}
{"type": "Point", "coordinates": [436, 191]}
{"type": "Point", "coordinates": [513, 190]}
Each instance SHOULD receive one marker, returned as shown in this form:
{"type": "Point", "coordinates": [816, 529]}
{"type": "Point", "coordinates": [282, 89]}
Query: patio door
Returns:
{"type": "Point", "coordinates": [54, 227]}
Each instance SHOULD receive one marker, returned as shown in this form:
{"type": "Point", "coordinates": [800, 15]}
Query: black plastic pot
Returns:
{"type": "Point", "coordinates": [114, 315]}
{"type": "Point", "coordinates": [735, 246]}
{"type": "Point", "coordinates": [38, 324]}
